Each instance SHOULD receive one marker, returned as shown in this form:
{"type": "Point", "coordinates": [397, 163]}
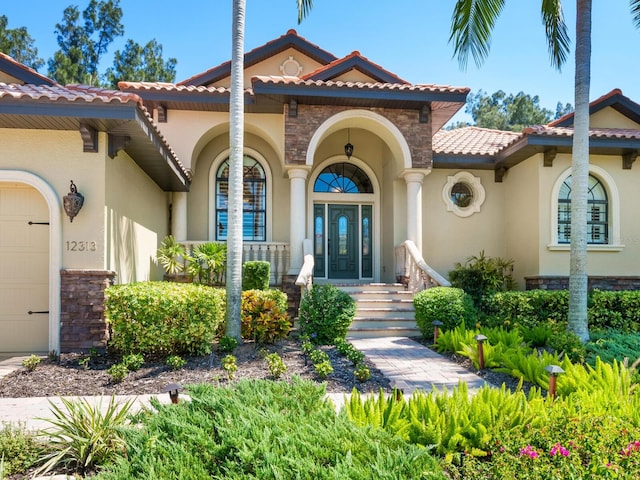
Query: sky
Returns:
{"type": "Point", "coordinates": [409, 38]}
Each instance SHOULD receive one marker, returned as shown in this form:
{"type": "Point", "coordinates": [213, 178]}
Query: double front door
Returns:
{"type": "Point", "coordinates": [343, 241]}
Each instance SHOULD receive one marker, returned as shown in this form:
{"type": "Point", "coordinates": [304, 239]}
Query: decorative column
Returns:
{"type": "Point", "coordinates": [414, 207]}
{"type": "Point", "coordinates": [297, 223]}
{"type": "Point", "coordinates": [179, 215]}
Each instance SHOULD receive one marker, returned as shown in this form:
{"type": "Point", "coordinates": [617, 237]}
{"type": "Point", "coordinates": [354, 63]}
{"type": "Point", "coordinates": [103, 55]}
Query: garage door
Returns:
{"type": "Point", "coordinates": [24, 269]}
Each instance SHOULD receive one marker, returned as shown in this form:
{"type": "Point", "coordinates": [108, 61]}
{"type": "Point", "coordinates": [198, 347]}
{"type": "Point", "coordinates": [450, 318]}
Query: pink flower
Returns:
{"type": "Point", "coordinates": [529, 451]}
{"type": "Point", "coordinates": [632, 447]}
{"type": "Point", "coordinates": [558, 449]}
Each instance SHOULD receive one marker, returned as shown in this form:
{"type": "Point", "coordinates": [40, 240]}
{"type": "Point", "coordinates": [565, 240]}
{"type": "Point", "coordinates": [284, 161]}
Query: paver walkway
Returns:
{"type": "Point", "coordinates": [408, 365]}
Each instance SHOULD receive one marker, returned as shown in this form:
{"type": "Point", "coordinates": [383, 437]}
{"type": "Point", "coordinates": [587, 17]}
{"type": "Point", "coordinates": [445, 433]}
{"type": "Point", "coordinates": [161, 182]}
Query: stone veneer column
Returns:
{"type": "Point", "coordinates": [179, 216]}
{"type": "Point", "coordinates": [414, 207]}
{"type": "Point", "coordinates": [297, 177]}
{"type": "Point", "coordinates": [82, 321]}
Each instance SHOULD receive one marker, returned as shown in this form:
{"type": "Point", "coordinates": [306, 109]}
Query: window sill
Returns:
{"type": "Point", "coordinates": [556, 247]}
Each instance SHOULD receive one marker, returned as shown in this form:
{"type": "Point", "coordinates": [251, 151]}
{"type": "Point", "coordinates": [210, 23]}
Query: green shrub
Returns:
{"type": "Point", "coordinates": [264, 316]}
{"type": "Point", "coordinates": [227, 344]}
{"type": "Point", "coordinates": [133, 361]}
{"type": "Point", "coordinates": [31, 362]}
{"type": "Point", "coordinates": [362, 372]}
{"type": "Point", "coordinates": [19, 449]}
{"type": "Point", "coordinates": [537, 336]}
{"type": "Point", "coordinates": [318, 356]}
{"type": "Point", "coordinates": [266, 430]}
{"type": "Point", "coordinates": [256, 275]}
{"type": "Point", "coordinates": [208, 262]}
{"type": "Point", "coordinates": [454, 340]}
{"type": "Point", "coordinates": [176, 362]}
{"type": "Point", "coordinates": [171, 255]}
{"type": "Point", "coordinates": [451, 306]}
{"type": "Point", "coordinates": [230, 366]}
{"type": "Point", "coordinates": [612, 345]}
{"type": "Point", "coordinates": [277, 367]}
{"type": "Point", "coordinates": [163, 317]}
{"type": "Point", "coordinates": [618, 310]}
{"type": "Point", "coordinates": [118, 372]}
{"type": "Point", "coordinates": [481, 276]}
{"type": "Point", "coordinates": [326, 313]}
{"type": "Point", "coordinates": [528, 309]}
{"type": "Point", "coordinates": [569, 344]}
{"type": "Point", "coordinates": [83, 435]}
{"type": "Point", "coordinates": [323, 369]}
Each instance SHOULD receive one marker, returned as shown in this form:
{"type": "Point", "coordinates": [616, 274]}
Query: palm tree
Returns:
{"type": "Point", "coordinates": [236, 139]}
{"type": "Point", "coordinates": [473, 22]}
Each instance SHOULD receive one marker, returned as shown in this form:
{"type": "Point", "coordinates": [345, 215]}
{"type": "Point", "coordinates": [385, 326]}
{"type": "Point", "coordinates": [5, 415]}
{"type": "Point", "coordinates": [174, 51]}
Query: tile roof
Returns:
{"type": "Point", "coordinates": [22, 72]}
{"type": "Point", "coordinates": [353, 60]}
{"type": "Point", "coordinates": [169, 87]}
{"type": "Point", "coordinates": [606, 133]}
{"type": "Point", "coordinates": [70, 93]}
{"type": "Point", "coordinates": [286, 80]}
{"type": "Point", "coordinates": [472, 141]}
{"type": "Point", "coordinates": [569, 116]}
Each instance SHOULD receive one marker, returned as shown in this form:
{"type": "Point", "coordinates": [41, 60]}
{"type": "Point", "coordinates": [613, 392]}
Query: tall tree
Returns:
{"type": "Point", "coordinates": [140, 64]}
{"type": "Point", "coordinates": [473, 22]}
{"type": "Point", "coordinates": [507, 112]}
{"type": "Point", "coordinates": [82, 46]}
{"type": "Point", "coordinates": [18, 44]}
{"type": "Point", "coordinates": [236, 140]}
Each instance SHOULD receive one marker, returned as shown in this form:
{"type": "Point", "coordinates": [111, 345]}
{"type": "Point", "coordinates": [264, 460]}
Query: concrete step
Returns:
{"type": "Point", "coordinates": [388, 313]}
{"type": "Point", "coordinates": [379, 332]}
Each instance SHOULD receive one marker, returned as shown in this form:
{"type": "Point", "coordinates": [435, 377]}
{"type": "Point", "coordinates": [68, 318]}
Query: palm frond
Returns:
{"type": "Point", "coordinates": [635, 12]}
{"type": "Point", "coordinates": [556, 31]}
{"type": "Point", "coordinates": [304, 7]}
{"type": "Point", "coordinates": [471, 27]}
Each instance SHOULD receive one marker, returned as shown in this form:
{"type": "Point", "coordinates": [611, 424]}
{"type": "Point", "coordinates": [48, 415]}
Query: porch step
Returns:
{"type": "Point", "coordinates": [381, 310]}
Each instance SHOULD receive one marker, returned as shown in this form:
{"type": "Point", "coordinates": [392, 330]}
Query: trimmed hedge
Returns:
{"type": "Point", "coordinates": [255, 275]}
{"type": "Point", "coordinates": [527, 308]}
{"type": "Point", "coordinates": [619, 310]}
{"type": "Point", "coordinates": [326, 313]}
{"type": "Point", "coordinates": [164, 317]}
{"type": "Point", "coordinates": [450, 305]}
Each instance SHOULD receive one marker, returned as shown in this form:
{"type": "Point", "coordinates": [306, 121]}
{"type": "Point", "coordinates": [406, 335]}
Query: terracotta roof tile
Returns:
{"type": "Point", "coordinates": [353, 55]}
{"type": "Point", "coordinates": [285, 80]}
{"type": "Point", "coordinates": [606, 96]}
{"type": "Point", "coordinates": [28, 70]}
{"type": "Point", "coordinates": [169, 87]}
{"type": "Point", "coordinates": [472, 141]}
{"type": "Point", "coordinates": [70, 93]}
{"type": "Point", "coordinates": [623, 133]}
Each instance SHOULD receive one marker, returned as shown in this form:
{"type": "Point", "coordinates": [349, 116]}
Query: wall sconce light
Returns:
{"type": "Point", "coordinates": [72, 201]}
{"type": "Point", "coordinates": [348, 148]}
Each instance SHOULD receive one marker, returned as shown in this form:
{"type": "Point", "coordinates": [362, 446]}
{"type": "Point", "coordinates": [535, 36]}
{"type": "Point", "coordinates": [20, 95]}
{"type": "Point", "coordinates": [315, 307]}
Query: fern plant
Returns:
{"type": "Point", "coordinates": [382, 411]}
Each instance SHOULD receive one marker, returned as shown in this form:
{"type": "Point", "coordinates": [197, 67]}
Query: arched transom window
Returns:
{"type": "Point", "coordinates": [343, 178]}
{"type": "Point", "coordinates": [254, 199]}
{"type": "Point", "coordinates": [597, 212]}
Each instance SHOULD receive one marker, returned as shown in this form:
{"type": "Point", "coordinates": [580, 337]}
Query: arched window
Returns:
{"type": "Point", "coordinates": [254, 200]}
{"type": "Point", "coordinates": [343, 178]}
{"type": "Point", "coordinates": [597, 212]}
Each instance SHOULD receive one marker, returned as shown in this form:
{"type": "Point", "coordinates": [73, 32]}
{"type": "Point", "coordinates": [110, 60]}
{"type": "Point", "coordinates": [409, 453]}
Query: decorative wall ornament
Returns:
{"type": "Point", "coordinates": [72, 201]}
{"type": "Point", "coordinates": [463, 194]}
{"type": "Point", "coordinates": [291, 67]}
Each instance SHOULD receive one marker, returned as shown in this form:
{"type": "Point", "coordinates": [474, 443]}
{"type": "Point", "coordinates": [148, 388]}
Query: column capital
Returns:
{"type": "Point", "coordinates": [415, 175]}
{"type": "Point", "coordinates": [298, 172]}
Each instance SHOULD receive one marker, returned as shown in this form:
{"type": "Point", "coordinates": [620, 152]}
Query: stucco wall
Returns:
{"type": "Point", "coordinates": [620, 261]}
{"type": "Point", "coordinates": [57, 158]}
{"type": "Point", "coordinates": [522, 212]}
{"type": "Point", "coordinates": [136, 219]}
{"type": "Point", "coordinates": [448, 238]}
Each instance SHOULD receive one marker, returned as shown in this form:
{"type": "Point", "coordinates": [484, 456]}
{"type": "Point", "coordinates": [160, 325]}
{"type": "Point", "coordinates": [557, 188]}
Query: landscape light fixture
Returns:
{"type": "Point", "coordinates": [173, 389]}
{"type": "Point", "coordinates": [554, 371]}
{"type": "Point", "coordinates": [480, 339]}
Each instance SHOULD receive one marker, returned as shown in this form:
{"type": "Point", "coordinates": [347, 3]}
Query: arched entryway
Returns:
{"type": "Point", "coordinates": [29, 264]}
{"type": "Point", "coordinates": [345, 221]}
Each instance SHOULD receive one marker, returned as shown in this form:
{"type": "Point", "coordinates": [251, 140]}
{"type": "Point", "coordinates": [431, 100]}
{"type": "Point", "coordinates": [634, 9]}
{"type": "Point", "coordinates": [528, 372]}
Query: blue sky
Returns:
{"type": "Point", "coordinates": [409, 38]}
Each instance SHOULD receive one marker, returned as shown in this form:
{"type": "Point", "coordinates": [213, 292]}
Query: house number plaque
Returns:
{"type": "Point", "coordinates": [81, 246]}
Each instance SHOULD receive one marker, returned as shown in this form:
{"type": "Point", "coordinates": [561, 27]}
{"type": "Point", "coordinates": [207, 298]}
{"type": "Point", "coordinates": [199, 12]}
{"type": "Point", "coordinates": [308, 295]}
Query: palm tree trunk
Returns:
{"type": "Point", "coordinates": [236, 139]}
{"type": "Point", "coordinates": [578, 279]}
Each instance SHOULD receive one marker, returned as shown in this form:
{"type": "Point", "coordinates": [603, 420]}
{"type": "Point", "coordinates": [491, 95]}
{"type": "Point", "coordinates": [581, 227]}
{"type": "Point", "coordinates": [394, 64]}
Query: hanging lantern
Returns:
{"type": "Point", "coordinates": [72, 201]}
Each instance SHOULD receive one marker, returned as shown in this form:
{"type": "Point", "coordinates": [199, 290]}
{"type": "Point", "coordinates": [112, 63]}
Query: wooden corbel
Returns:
{"type": "Point", "coordinates": [549, 156]}
{"type": "Point", "coordinates": [425, 114]}
{"type": "Point", "coordinates": [89, 138]}
{"type": "Point", "coordinates": [499, 174]}
{"type": "Point", "coordinates": [162, 113]}
{"type": "Point", "coordinates": [628, 158]}
{"type": "Point", "coordinates": [293, 108]}
{"type": "Point", "coordinates": [117, 143]}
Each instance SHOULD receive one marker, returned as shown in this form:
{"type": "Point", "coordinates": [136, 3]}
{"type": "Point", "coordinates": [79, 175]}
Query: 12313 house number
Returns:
{"type": "Point", "coordinates": [81, 246]}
